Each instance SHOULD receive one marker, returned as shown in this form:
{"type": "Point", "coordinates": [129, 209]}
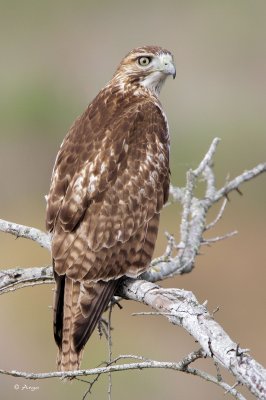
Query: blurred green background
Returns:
{"type": "Point", "coordinates": [55, 57]}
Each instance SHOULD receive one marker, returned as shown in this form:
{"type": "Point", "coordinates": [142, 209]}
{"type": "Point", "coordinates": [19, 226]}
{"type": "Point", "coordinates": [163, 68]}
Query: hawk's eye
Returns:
{"type": "Point", "coordinates": [144, 61]}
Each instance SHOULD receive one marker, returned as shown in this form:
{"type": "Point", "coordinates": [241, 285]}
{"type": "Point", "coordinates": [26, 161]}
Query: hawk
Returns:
{"type": "Point", "coordinates": [109, 183]}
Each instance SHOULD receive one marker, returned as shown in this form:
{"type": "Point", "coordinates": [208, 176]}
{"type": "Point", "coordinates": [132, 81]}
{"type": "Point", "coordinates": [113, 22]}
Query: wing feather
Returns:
{"type": "Point", "coordinates": [109, 181]}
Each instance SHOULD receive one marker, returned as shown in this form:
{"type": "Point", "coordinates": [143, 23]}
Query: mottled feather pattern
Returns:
{"type": "Point", "coordinates": [109, 183]}
{"type": "Point", "coordinates": [133, 192]}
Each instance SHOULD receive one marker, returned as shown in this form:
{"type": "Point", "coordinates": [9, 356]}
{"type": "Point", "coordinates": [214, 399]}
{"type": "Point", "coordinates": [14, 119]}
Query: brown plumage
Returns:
{"type": "Point", "coordinates": [109, 183]}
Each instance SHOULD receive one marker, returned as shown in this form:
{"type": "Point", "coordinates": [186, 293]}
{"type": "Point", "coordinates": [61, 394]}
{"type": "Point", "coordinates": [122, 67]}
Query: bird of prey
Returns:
{"type": "Point", "coordinates": [109, 184]}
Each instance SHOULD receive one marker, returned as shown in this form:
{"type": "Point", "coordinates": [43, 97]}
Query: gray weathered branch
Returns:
{"type": "Point", "coordinates": [43, 239]}
{"type": "Point", "coordinates": [194, 214]}
{"type": "Point", "coordinates": [180, 308]}
{"type": "Point", "coordinates": [12, 279]}
{"type": "Point", "coordinates": [182, 366]}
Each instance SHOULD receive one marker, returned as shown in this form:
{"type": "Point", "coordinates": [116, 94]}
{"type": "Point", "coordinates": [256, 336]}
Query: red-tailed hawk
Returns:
{"type": "Point", "coordinates": [109, 183]}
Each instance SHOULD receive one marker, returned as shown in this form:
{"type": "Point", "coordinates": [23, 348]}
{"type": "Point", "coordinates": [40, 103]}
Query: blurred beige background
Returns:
{"type": "Point", "coordinates": [55, 57]}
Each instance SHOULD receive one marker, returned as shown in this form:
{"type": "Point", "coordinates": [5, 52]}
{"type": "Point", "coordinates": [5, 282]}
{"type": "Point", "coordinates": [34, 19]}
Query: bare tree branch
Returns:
{"type": "Point", "coordinates": [218, 217]}
{"type": "Point", "coordinates": [27, 232]}
{"type": "Point", "coordinates": [235, 183]}
{"type": "Point", "coordinates": [182, 308]}
{"type": "Point", "coordinates": [110, 351]}
{"type": "Point", "coordinates": [182, 366]}
{"type": "Point", "coordinates": [193, 219]}
{"type": "Point", "coordinates": [186, 312]}
{"type": "Point", "coordinates": [218, 238]}
{"type": "Point", "coordinates": [12, 279]}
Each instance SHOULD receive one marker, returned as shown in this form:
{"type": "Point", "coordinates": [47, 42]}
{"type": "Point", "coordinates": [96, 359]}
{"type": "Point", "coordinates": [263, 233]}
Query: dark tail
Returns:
{"type": "Point", "coordinates": [77, 310]}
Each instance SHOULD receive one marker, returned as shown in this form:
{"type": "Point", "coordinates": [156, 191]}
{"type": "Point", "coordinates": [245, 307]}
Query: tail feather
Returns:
{"type": "Point", "coordinates": [77, 309]}
{"type": "Point", "coordinates": [58, 308]}
{"type": "Point", "coordinates": [93, 302]}
{"type": "Point", "coordinates": [68, 357]}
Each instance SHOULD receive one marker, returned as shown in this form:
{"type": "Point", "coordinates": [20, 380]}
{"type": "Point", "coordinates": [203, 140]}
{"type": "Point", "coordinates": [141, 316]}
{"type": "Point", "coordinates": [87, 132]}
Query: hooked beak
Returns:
{"type": "Point", "coordinates": [167, 65]}
{"type": "Point", "coordinates": [174, 73]}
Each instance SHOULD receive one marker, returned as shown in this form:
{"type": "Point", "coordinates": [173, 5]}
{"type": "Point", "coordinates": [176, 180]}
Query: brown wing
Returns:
{"type": "Point", "coordinates": [110, 181]}
{"type": "Point", "coordinates": [100, 201]}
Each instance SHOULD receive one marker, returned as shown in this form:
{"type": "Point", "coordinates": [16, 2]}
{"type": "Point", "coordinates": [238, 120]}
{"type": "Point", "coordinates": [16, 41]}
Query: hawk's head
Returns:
{"type": "Point", "coordinates": [147, 66]}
